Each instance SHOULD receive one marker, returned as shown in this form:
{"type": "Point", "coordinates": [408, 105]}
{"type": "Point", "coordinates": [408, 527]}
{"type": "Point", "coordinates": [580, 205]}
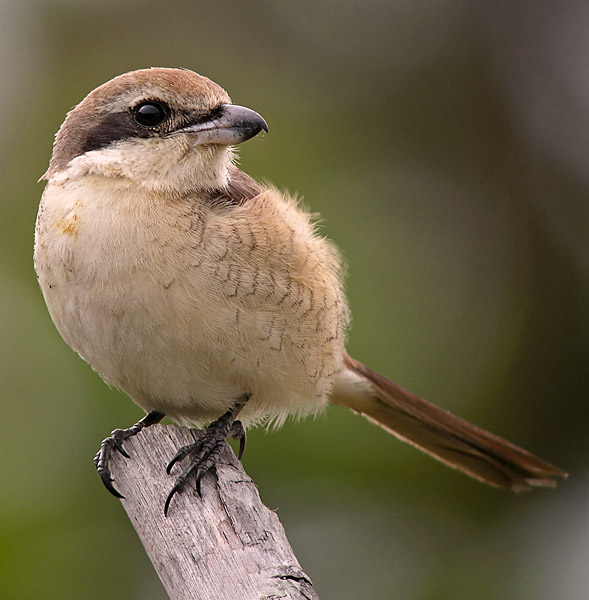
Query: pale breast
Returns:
{"type": "Point", "coordinates": [186, 307]}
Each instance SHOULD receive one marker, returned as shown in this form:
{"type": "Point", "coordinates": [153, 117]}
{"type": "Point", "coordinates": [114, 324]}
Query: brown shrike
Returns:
{"type": "Point", "coordinates": [205, 295]}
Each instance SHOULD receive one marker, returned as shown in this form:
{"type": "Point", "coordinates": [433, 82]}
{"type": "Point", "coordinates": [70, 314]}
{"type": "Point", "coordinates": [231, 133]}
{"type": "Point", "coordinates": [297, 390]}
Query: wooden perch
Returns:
{"type": "Point", "coordinates": [226, 545]}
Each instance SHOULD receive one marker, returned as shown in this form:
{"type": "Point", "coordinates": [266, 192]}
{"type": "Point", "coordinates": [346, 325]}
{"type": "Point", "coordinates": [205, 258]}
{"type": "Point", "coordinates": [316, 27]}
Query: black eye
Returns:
{"type": "Point", "coordinates": [149, 114]}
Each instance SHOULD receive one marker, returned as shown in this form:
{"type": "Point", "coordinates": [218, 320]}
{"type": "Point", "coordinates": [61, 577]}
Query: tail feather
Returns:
{"type": "Point", "coordinates": [449, 439]}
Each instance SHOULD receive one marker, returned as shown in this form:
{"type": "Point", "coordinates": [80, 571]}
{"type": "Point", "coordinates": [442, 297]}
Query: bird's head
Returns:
{"type": "Point", "coordinates": [168, 130]}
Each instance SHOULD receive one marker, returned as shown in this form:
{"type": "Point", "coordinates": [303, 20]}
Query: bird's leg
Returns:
{"type": "Point", "coordinates": [205, 452]}
{"type": "Point", "coordinates": [115, 442]}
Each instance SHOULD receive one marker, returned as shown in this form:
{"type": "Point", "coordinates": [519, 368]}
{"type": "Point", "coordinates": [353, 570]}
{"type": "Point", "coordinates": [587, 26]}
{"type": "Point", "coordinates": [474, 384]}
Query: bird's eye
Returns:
{"type": "Point", "coordinates": [149, 114]}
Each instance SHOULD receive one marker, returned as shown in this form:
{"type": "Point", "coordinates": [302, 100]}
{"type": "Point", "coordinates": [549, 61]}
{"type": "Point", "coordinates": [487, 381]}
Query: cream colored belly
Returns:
{"type": "Point", "coordinates": [187, 325]}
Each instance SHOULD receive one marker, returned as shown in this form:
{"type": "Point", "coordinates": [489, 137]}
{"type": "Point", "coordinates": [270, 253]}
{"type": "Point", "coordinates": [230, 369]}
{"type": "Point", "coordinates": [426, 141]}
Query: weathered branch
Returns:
{"type": "Point", "coordinates": [226, 545]}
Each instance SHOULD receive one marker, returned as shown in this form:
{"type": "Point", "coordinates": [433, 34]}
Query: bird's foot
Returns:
{"type": "Point", "coordinates": [205, 452]}
{"type": "Point", "coordinates": [115, 443]}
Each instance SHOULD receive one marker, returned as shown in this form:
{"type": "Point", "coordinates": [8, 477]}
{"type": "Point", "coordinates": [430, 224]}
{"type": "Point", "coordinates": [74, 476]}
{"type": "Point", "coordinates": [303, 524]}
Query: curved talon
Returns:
{"type": "Point", "coordinates": [171, 464]}
{"type": "Point", "coordinates": [181, 482]}
{"type": "Point", "coordinates": [203, 456]}
{"type": "Point", "coordinates": [101, 461]}
{"type": "Point", "coordinates": [121, 450]}
{"type": "Point", "coordinates": [175, 489]}
{"type": "Point", "coordinates": [115, 442]}
{"type": "Point", "coordinates": [241, 447]}
{"type": "Point", "coordinates": [199, 475]}
{"type": "Point", "coordinates": [205, 452]}
{"type": "Point", "coordinates": [181, 454]}
{"type": "Point", "coordinates": [107, 480]}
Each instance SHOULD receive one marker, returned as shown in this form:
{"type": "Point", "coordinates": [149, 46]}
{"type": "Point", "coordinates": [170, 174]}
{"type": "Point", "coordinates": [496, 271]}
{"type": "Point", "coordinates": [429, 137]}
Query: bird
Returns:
{"type": "Point", "coordinates": [208, 297]}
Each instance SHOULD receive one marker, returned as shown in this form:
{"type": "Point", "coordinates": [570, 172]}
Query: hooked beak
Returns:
{"type": "Point", "coordinates": [229, 125]}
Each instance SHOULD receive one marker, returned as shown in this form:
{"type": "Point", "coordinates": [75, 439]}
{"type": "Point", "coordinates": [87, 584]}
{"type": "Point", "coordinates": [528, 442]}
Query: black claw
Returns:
{"type": "Point", "coordinates": [111, 488]}
{"type": "Point", "coordinates": [181, 455]}
{"type": "Point", "coordinates": [118, 446]}
{"type": "Point", "coordinates": [101, 461]}
{"type": "Point", "coordinates": [199, 452]}
{"type": "Point", "coordinates": [171, 464]}
{"type": "Point", "coordinates": [115, 442]}
{"type": "Point", "coordinates": [205, 452]}
{"type": "Point", "coordinates": [241, 446]}
{"type": "Point", "coordinates": [199, 476]}
{"type": "Point", "coordinates": [238, 433]}
{"type": "Point", "coordinates": [107, 479]}
{"type": "Point", "coordinates": [175, 489]}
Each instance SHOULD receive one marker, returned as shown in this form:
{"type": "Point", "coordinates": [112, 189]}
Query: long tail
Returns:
{"type": "Point", "coordinates": [447, 438]}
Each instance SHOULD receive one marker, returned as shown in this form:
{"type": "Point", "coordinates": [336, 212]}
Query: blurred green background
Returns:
{"type": "Point", "coordinates": [445, 145]}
